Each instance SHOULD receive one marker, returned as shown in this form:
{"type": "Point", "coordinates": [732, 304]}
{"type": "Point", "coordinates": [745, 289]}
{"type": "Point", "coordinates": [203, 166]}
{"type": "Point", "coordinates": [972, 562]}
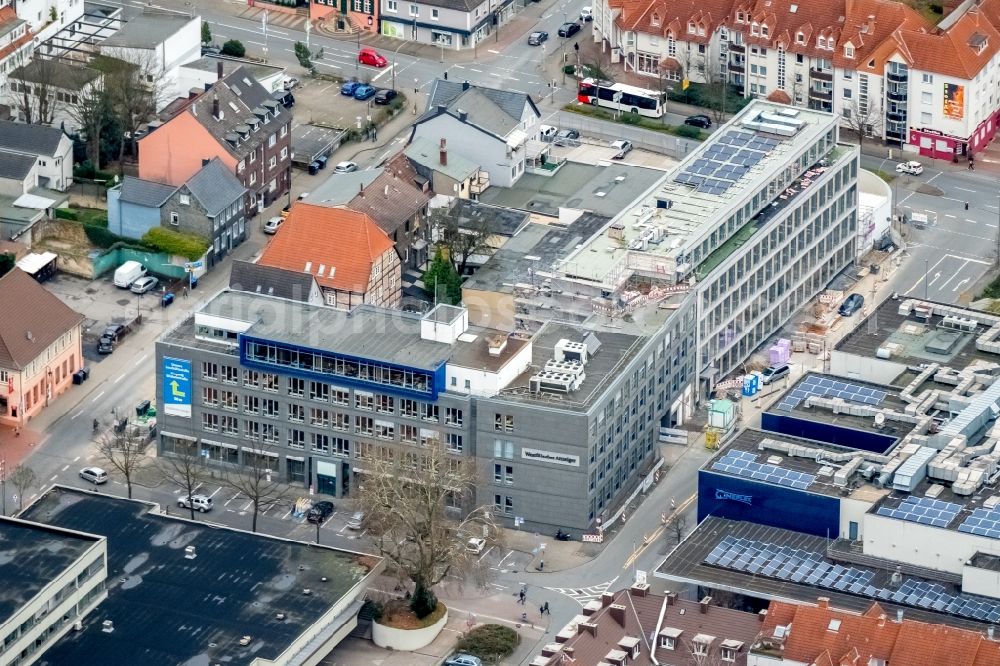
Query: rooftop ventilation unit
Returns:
{"type": "Point", "coordinates": [554, 382]}
{"type": "Point", "coordinates": [574, 368]}
{"type": "Point", "coordinates": [568, 350]}
{"type": "Point", "coordinates": [963, 324]}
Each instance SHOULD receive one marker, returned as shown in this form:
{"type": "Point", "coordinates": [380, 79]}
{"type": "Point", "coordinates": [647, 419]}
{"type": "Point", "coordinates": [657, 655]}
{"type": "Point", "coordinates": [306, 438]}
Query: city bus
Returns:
{"type": "Point", "coordinates": [621, 97]}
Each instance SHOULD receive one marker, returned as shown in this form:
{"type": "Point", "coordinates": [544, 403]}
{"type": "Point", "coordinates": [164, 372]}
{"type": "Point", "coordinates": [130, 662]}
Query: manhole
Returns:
{"type": "Point", "coordinates": [124, 301]}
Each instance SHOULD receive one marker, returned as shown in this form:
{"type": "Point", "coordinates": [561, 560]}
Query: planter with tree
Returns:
{"type": "Point", "coordinates": [418, 513]}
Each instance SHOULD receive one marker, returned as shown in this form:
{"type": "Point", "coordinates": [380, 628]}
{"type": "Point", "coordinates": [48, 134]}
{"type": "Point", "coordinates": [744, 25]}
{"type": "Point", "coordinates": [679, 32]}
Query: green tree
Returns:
{"type": "Point", "coordinates": [7, 262]}
{"type": "Point", "coordinates": [234, 48]}
{"type": "Point", "coordinates": [442, 280]}
{"type": "Point", "coordinates": [206, 33]}
{"type": "Point", "coordinates": [303, 55]}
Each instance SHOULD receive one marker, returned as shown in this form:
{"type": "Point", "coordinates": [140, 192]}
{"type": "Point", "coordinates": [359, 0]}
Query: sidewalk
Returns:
{"type": "Point", "coordinates": [512, 31]}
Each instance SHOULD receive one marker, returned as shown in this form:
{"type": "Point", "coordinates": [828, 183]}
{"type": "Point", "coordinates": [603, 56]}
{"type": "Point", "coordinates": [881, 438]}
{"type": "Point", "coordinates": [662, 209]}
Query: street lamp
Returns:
{"type": "Point", "coordinates": [394, 54]}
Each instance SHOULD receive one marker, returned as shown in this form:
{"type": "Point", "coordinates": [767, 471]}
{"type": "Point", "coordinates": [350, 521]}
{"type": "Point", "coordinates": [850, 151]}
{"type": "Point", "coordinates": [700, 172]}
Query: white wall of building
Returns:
{"type": "Point", "coordinates": [981, 581]}
{"type": "Point", "coordinates": [923, 545]}
{"type": "Point", "coordinates": [484, 382]}
{"type": "Point", "coordinates": [489, 152]}
{"type": "Point", "coordinates": [38, 13]}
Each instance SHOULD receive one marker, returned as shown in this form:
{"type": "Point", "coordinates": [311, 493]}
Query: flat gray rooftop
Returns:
{"type": "Point", "coordinates": [616, 349]}
{"type": "Point", "coordinates": [170, 610]}
{"type": "Point", "coordinates": [604, 190]}
{"type": "Point", "coordinates": [312, 141]}
{"type": "Point", "coordinates": [468, 214]}
{"type": "Point", "coordinates": [912, 335]}
{"type": "Point", "coordinates": [688, 563]}
{"type": "Point", "coordinates": [31, 557]}
{"type": "Point", "coordinates": [390, 336]}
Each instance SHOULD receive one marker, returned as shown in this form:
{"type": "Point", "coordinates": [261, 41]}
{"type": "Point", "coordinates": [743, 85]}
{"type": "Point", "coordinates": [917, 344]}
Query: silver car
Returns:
{"type": "Point", "coordinates": [144, 284]}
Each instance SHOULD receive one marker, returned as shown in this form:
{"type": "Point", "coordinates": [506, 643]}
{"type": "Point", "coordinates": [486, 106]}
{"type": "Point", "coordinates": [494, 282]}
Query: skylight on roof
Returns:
{"type": "Point", "coordinates": [793, 9]}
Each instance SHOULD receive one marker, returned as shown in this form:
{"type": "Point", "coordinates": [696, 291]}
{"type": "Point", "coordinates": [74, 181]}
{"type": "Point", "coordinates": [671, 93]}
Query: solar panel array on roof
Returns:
{"type": "Point", "coordinates": [831, 388]}
{"type": "Point", "coordinates": [726, 161]}
{"type": "Point", "coordinates": [983, 522]}
{"type": "Point", "coordinates": [743, 463]}
{"type": "Point", "coordinates": [761, 558]}
{"type": "Point", "coordinates": [923, 510]}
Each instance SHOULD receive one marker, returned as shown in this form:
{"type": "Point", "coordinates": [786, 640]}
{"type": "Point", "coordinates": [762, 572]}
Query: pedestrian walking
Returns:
{"type": "Point", "coordinates": [541, 610]}
{"type": "Point", "coordinates": [524, 617]}
{"type": "Point", "coordinates": [966, 205]}
{"type": "Point", "coordinates": [184, 292]}
{"type": "Point", "coordinates": [520, 597]}
{"type": "Point", "coordinates": [541, 565]}
{"type": "Point", "coordinates": [545, 609]}
{"type": "Point", "coordinates": [17, 431]}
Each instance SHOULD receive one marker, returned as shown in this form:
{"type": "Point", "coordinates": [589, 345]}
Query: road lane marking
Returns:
{"type": "Point", "coordinates": [949, 215]}
{"type": "Point", "coordinates": [65, 468]}
{"type": "Point", "coordinates": [54, 477]}
{"type": "Point", "coordinates": [119, 378]}
{"type": "Point", "coordinates": [76, 415]}
{"type": "Point", "coordinates": [76, 459]}
{"type": "Point", "coordinates": [971, 221]}
{"type": "Point", "coordinates": [965, 189]}
{"type": "Point", "coordinates": [97, 397]}
{"type": "Point", "coordinates": [140, 361]}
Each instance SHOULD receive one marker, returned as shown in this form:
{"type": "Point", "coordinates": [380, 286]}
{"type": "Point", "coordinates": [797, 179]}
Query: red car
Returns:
{"type": "Point", "coordinates": [372, 57]}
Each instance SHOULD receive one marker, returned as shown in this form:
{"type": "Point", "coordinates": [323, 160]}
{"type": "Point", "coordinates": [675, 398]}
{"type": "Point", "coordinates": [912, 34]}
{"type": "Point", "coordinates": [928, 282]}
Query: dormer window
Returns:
{"type": "Point", "coordinates": [754, 28]}
{"type": "Point", "coordinates": [800, 38]}
{"type": "Point", "coordinates": [763, 29]}
{"type": "Point", "coordinates": [848, 51]}
{"type": "Point", "coordinates": [821, 42]}
{"type": "Point", "coordinates": [654, 20]}
{"type": "Point", "coordinates": [978, 42]}
{"type": "Point", "coordinates": [739, 17]}
{"type": "Point", "coordinates": [692, 29]}
{"type": "Point", "coordinates": [701, 31]}
{"type": "Point", "coordinates": [669, 637]}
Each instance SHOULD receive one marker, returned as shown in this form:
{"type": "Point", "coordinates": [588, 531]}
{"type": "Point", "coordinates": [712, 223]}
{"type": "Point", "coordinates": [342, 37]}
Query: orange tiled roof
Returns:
{"type": "Point", "coordinates": [869, 25]}
{"type": "Point", "coordinates": [952, 52]}
{"type": "Point", "coordinates": [823, 635]}
{"type": "Point", "coordinates": [8, 15]}
{"type": "Point", "coordinates": [663, 17]}
{"type": "Point", "coordinates": [337, 246]}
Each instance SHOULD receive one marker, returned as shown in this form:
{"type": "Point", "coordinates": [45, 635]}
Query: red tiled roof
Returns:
{"type": "Point", "coordinates": [826, 636]}
{"type": "Point", "coordinates": [8, 15]}
{"type": "Point", "coordinates": [779, 96]}
{"type": "Point", "coordinates": [951, 52]}
{"type": "Point", "coordinates": [868, 26]}
{"type": "Point", "coordinates": [662, 17]}
{"type": "Point", "coordinates": [25, 336]}
{"type": "Point", "coordinates": [345, 243]}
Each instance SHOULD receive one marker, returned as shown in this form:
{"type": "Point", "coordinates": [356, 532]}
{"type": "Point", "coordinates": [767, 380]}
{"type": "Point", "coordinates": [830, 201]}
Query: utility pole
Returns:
{"type": "Point", "coordinates": [3, 483]}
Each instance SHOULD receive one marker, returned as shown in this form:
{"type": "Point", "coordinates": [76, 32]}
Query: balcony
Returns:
{"type": "Point", "coordinates": [824, 95]}
{"type": "Point", "coordinates": [897, 116]}
{"type": "Point", "coordinates": [896, 95]}
{"type": "Point", "coordinates": [898, 77]}
{"type": "Point", "coordinates": [479, 183]}
{"type": "Point", "coordinates": [740, 67]}
{"type": "Point", "coordinates": [821, 74]}
{"type": "Point", "coordinates": [737, 48]}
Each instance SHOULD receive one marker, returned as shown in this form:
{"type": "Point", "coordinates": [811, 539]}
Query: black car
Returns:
{"type": "Point", "coordinates": [569, 29]}
{"type": "Point", "coordinates": [536, 38]}
{"type": "Point", "coordinates": [699, 120]}
{"type": "Point", "coordinates": [319, 512]}
{"type": "Point", "coordinates": [384, 96]}
{"type": "Point", "coordinates": [851, 304]}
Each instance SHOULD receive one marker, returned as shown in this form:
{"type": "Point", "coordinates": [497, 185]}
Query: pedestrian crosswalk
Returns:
{"type": "Point", "coordinates": [583, 594]}
{"type": "Point", "coordinates": [275, 18]}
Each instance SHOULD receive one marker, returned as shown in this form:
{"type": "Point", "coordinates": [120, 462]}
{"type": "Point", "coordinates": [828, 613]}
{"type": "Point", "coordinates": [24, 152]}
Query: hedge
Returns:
{"type": "Point", "coordinates": [66, 214]}
{"type": "Point", "coordinates": [490, 642]}
{"type": "Point", "coordinates": [628, 118]}
{"type": "Point", "coordinates": [101, 237]}
{"type": "Point", "coordinates": [176, 243]}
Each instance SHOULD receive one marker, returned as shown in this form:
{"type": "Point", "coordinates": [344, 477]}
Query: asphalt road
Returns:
{"type": "Point", "coordinates": [957, 245]}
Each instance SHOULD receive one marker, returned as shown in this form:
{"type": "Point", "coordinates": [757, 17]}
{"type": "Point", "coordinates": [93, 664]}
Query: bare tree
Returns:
{"type": "Point", "coordinates": [407, 510]}
{"type": "Point", "coordinates": [135, 90]}
{"type": "Point", "coordinates": [677, 527]}
{"type": "Point", "coordinates": [90, 113]}
{"type": "Point", "coordinates": [34, 91]}
{"type": "Point", "coordinates": [257, 478]}
{"type": "Point", "coordinates": [462, 241]}
{"type": "Point", "coordinates": [185, 468]}
{"type": "Point", "coordinates": [702, 653]}
{"type": "Point", "coordinates": [124, 448]}
{"type": "Point", "coordinates": [865, 120]}
{"type": "Point", "coordinates": [22, 478]}
{"type": "Point", "coordinates": [715, 93]}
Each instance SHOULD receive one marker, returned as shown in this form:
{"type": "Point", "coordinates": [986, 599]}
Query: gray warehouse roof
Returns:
{"type": "Point", "coordinates": [33, 556]}
{"type": "Point", "coordinates": [168, 609]}
{"type": "Point", "coordinates": [147, 31]}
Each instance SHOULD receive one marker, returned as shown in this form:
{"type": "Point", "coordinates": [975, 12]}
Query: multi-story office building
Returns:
{"type": "Point", "coordinates": [585, 340]}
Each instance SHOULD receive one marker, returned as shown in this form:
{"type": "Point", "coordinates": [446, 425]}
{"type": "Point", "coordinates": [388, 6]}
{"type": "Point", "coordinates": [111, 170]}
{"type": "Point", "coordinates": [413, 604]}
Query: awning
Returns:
{"type": "Point", "coordinates": [33, 201]}
{"type": "Point", "coordinates": [33, 262]}
{"type": "Point", "coordinates": [516, 138]}
{"type": "Point", "coordinates": [419, 244]}
{"type": "Point", "coordinates": [536, 149]}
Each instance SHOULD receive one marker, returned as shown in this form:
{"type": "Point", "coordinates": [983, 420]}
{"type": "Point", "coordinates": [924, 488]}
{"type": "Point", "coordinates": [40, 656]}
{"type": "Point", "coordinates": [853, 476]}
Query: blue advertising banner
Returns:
{"type": "Point", "coordinates": [177, 387]}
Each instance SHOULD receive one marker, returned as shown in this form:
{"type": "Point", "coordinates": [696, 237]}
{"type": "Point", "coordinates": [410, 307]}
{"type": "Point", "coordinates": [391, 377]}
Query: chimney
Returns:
{"type": "Point", "coordinates": [606, 599]}
{"type": "Point", "coordinates": [215, 106]}
{"type": "Point", "coordinates": [762, 615]}
{"type": "Point", "coordinates": [362, 190]}
{"type": "Point", "coordinates": [704, 604]}
{"type": "Point", "coordinates": [205, 161]}
{"type": "Point", "coordinates": [899, 615]}
{"type": "Point", "coordinates": [671, 598]}
{"type": "Point", "coordinates": [639, 589]}
{"type": "Point", "coordinates": [385, 191]}
{"type": "Point", "coordinates": [443, 153]}
{"type": "Point", "coordinates": [589, 627]}
{"type": "Point", "coordinates": [465, 86]}
{"type": "Point", "coordinates": [218, 70]}
{"type": "Point", "coordinates": [990, 631]}
{"type": "Point", "coordinates": [442, 108]}
{"type": "Point", "coordinates": [823, 602]}
{"type": "Point", "coordinates": [618, 614]}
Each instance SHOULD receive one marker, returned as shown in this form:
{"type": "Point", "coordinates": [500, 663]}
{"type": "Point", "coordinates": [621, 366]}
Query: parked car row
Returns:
{"type": "Point", "coordinates": [362, 91]}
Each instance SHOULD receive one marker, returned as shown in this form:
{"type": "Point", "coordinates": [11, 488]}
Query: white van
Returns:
{"type": "Point", "coordinates": [128, 273]}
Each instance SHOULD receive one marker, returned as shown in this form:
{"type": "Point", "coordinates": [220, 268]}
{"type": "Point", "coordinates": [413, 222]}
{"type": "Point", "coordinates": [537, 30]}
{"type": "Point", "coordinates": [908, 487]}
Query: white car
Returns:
{"type": "Point", "coordinates": [201, 503]}
{"type": "Point", "coordinates": [271, 226]}
{"type": "Point", "coordinates": [345, 167]}
{"type": "Point", "coordinates": [587, 14]}
{"type": "Point", "coordinates": [475, 546]}
{"type": "Point", "coordinates": [289, 82]}
{"type": "Point", "coordinates": [911, 168]}
{"type": "Point", "coordinates": [623, 148]}
{"type": "Point", "coordinates": [95, 475]}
